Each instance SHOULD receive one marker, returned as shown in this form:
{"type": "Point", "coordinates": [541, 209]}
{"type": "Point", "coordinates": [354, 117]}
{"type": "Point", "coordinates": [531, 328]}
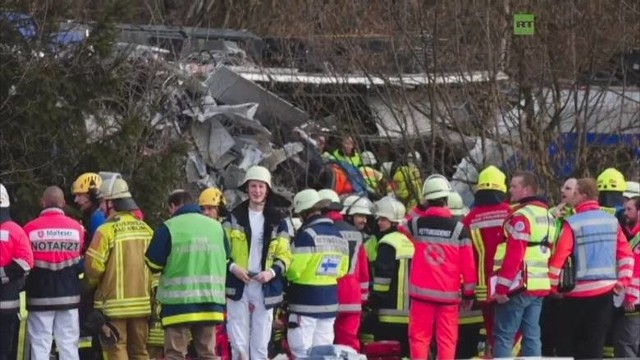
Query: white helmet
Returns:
{"type": "Point", "coordinates": [633, 189]}
{"type": "Point", "coordinates": [357, 205]}
{"type": "Point", "coordinates": [389, 208]}
{"type": "Point", "coordinates": [258, 173]}
{"type": "Point", "coordinates": [332, 197]}
{"type": "Point", "coordinates": [305, 200]}
{"type": "Point", "coordinates": [456, 205]}
{"type": "Point", "coordinates": [4, 197]}
{"type": "Point", "coordinates": [368, 158]}
{"type": "Point", "coordinates": [435, 187]}
{"type": "Point", "coordinates": [386, 168]}
{"type": "Point", "coordinates": [114, 187]}
{"type": "Point", "coordinates": [414, 157]}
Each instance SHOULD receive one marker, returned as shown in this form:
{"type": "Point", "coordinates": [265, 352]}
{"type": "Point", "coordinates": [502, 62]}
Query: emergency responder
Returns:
{"type": "Point", "coordinates": [390, 297]}
{"type": "Point", "coordinates": [356, 210]}
{"type": "Point", "coordinates": [86, 189]}
{"type": "Point", "coordinates": [16, 260]}
{"type": "Point", "coordinates": [114, 264]}
{"type": "Point", "coordinates": [611, 188]}
{"type": "Point", "coordinates": [372, 177]}
{"type": "Point", "coordinates": [470, 320]}
{"type": "Point", "coordinates": [406, 180]}
{"type": "Point", "coordinates": [320, 258]}
{"type": "Point", "coordinates": [521, 280]}
{"type": "Point", "coordinates": [601, 267]}
{"type": "Point", "coordinates": [443, 255]}
{"type": "Point", "coordinates": [347, 152]}
{"type": "Point", "coordinates": [551, 305]}
{"type": "Point", "coordinates": [419, 209]}
{"type": "Point", "coordinates": [213, 204]}
{"type": "Point", "coordinates": [627, 326]}
{"type": "Point", "coordinates": [484, 223]}
{"type": "Point", "coordinates": [353, 288]}
{"type": "Point", "coordinates": [188, 248]}
{"type": "Point", "coordinates": [260, 256]}
{"type": "Point", "coordinates": [53, 287]}
{"type": "Point", "coordinates": [631, 218]}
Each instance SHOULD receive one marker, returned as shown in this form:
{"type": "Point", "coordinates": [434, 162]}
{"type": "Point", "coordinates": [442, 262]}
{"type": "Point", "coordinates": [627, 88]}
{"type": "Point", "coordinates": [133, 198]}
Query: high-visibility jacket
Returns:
{"type": "Point", "coordinates": [16, 260]}
{"type": "Point", "coordinates": [442, 256]}
{"type": "Point", "coordinates": [115, 262]}
{"type": "Point", "coordinates": [484, 224]}
{"type": "Point", "coordinates": [354, 159]}
{"type": "Point", "coordinates": [156, 333]}
{"type": "Point", "coordinates": [372, 177]}
{"type": "Point", "coordinates": [195, 270]}
{"type": "Point", "coordinates": [632, 294]}
{"type": "Point", "coordinates": [353, 288]}
{"type": "Point", "coordinates": [276, 254]}
{"type": "Point", "coordinates": [470, 317]}
{"type": "Point", "coordinates": [371, 249]}
{"type": "Point", "coordinates": [407, 185]}
{"type": "Point", "coordinates": [320, 258]}
{"type": "Point", "coordinates": [572, 238]}
{"type": "Point", "coordinates": [530, 232]}
{"type": "Point", "coordinates": [390, 295]}
{"type": "Point", "coordinates": [56, 241]}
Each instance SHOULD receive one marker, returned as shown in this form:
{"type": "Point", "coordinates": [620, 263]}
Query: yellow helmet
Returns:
{"type": "Point", "coordinates": [212, 197]}
{"type": "Point", "coordinates": [491, 178]}
{"type": "Point", "coordinates": [85, 182]}
{"type": "Point", "coordinates": [611, 180]}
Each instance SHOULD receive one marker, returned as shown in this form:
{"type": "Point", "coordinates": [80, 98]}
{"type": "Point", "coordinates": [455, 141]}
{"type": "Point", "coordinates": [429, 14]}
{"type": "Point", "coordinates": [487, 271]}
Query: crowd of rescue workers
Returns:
{"type": "Point", "coordinates": [508, 276]}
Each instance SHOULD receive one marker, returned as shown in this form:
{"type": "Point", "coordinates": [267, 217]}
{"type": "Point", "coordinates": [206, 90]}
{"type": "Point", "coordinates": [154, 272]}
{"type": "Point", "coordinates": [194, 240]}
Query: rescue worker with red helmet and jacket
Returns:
{"type": "Point", "coordinates": [353, 288]}
{"type": "Point", "coordinates": [390, 297]}
{"type": "Point", "coordinates": [443, 255]}
{"type": "Point", "coordinates": [16, 260]}
{"type": "Point", "coordinates": [484, 223]}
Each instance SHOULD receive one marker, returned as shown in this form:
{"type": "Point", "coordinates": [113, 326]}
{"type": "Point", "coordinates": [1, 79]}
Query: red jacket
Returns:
{"type": "Point", "coordinates": [589, 288]}
{"type": "Point", "coordinates": [484, 224]}
{"type": "Point", "coordinates": [633, 291]}
{"type": "Point", "coordinates": [353, 288]}
{"type": "Point", "coordinates": [16, 259]}
{"type": "Point", "coordinates": [516, 249]}
{"type": "Point", "coordinates": [56, 240]}
{"type": "Point", "coordinates": [443, 257]}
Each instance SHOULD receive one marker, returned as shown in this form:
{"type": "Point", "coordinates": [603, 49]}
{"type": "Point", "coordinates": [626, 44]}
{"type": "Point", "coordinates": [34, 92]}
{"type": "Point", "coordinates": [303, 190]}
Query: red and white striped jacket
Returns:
{"type": "Point", "coordinates": [633, 291]}
{"type": "Point", "coordinates": [589, 288]}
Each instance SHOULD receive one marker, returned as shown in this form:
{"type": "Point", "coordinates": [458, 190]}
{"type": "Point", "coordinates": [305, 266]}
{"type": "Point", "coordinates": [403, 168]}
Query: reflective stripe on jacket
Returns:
{"type": "Point", "coordinates": [196, 268]}
{"type": "Point", "coordinates": [115, 262]}
{"type": "Point", "coordinates": [276, 253]}
{"type": "Point", "coordinates": [16, 260]}
{"type": "Point", "coordinates": [390, 295]}
{"type": "Point", "coordinates": [353, 288]}
{"type": "Point", "coordinates": [535, 227]}
{"type": "Point", "coordinates": [320, 258]}
{"type": "Point", "coordinates": [56, 241]}
{"type": "Point", "coordinates": [484, 224]}
{"type": "Point", "coordinates": [594, 251]}
{"type": "Point", "coordinates": [565, 248]}
{"type": "Point", "coordinates": [443, 255]}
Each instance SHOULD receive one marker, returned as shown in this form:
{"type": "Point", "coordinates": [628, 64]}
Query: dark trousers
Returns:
{"type": "Point", "coordinates": [468, 338]}
{"type": "Point", "coordinates": [549, 322]}
{"type": "Point", "coordinates": [397, 332]}
{"type": "Point", "coordinates": [8, 336]}
{"type": "Point", "coordinates": [583, 324]}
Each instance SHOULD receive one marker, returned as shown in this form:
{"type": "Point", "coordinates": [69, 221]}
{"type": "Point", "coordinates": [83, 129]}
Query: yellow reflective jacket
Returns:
{"type": "Point", "coordinates": [408, 185]}
{"type": "Point", "coordinates": [114, 262]}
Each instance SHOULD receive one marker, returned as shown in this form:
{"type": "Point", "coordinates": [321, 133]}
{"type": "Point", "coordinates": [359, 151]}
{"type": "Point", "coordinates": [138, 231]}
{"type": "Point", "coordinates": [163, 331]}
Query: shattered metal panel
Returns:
{"type": "Point", "coordinates": [231, 88]}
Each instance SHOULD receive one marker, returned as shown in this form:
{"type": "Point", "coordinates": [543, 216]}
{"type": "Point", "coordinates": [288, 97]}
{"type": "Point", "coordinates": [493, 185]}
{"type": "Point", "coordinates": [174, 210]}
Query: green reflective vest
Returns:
{"type": "Point", "coordinates": [196, 268]}
{"type": "Point", "coordinates": [544, 232]}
